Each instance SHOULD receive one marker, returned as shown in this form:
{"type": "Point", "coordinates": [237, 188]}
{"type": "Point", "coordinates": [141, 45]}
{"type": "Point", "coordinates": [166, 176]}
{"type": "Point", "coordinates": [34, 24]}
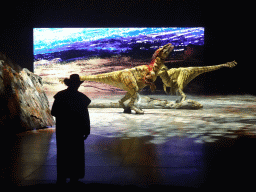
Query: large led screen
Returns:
{"type": "Point", "coordinates": [60, 52]}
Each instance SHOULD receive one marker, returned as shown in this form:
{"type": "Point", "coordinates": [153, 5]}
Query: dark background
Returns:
{"type": "Point", "coordinates": [229, 35]}
{"type": "Point", "coordinates": [228, 31]}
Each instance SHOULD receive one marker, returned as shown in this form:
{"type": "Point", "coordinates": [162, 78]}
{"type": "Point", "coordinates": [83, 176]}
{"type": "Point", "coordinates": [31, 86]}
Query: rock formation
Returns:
{"type": "Point", "coordinates": [24, 104]}
{"type": "Point", "coordinates": [152, 103]}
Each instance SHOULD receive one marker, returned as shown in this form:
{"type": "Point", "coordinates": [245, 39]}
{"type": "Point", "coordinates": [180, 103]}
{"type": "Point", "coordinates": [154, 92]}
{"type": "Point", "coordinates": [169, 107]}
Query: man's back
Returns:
{"type": "Point", "coordinates": [70, 110]}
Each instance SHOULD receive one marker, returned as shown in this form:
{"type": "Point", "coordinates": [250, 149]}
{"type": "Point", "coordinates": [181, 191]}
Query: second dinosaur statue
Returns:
{"type": "Point", "coordinates": [178, 78]}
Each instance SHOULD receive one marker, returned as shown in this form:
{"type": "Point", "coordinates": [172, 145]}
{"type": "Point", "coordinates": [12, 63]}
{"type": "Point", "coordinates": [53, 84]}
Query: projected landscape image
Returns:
{"type": "Point", "coordinates": [60, 52]}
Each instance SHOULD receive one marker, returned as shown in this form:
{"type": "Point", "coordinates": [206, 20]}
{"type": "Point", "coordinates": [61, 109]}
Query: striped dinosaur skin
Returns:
{"type": "Point", "coordinates": [135, 79]}
{"type": "Point", "coordinates": [178, 78]}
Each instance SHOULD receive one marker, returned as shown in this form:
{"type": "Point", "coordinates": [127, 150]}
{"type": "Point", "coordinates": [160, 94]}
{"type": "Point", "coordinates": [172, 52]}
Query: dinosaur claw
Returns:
{"type": "Point", "coordinates": [137, 110]}
{"type": "Point", "coordinates": [127, 110]}
{"type": "Point", "coordinates": [142, 112]}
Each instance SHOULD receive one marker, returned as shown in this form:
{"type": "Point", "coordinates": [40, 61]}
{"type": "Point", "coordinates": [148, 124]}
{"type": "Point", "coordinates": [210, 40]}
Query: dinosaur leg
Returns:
{"type": "Point", "coordinates": [182, 94]}
{"type": "Point", "coordinates": [165, 89]}
{"type": "Point", "coordinates": [183, 79]}
{"type": "Point", "coordinates": [178, 100]}
{"type": "Point", "coordinates": [131, 104]}
{"type": "Point", "coordinates": [121, 102]}
{"type": "Point", "coordinates": [131, 86]}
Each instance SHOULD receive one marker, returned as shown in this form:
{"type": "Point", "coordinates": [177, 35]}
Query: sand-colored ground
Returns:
{"type": "Point", "coordinates": [222, 116]}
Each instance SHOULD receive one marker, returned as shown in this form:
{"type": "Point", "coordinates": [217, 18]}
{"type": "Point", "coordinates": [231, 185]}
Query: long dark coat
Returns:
{"type": "Point", "coordinates": [72, 125]}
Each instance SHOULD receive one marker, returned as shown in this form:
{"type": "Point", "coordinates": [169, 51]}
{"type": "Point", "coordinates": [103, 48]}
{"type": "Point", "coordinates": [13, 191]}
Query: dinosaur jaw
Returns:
{"type": "Point", "coordinates": [167, 49]}
{"type": "Point", "coordinates": [162, 71]}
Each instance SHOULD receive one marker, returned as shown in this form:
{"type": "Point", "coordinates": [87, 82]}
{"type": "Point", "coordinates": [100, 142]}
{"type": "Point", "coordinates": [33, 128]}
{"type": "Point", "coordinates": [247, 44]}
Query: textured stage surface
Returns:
{"type": "Point", "coordinates": [221, 116]}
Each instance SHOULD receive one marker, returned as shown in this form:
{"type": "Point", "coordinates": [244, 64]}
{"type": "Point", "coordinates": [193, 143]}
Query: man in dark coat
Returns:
{"type": "Point", "coordinates": [72, 128]}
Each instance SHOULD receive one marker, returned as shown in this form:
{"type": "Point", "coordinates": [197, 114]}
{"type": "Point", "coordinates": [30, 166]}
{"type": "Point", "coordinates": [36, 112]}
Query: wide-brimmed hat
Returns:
{"type": "Point", "coordinates": [74, 79]}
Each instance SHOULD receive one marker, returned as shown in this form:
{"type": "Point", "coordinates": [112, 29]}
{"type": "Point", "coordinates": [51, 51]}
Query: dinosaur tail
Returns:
{"type": "Point", "coordinates": [107, 78]}
{"type": "Point", "coordinates": [200, 70]}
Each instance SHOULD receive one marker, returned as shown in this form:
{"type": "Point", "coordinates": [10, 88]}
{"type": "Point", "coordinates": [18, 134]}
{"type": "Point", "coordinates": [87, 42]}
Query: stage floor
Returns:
{"type": "Point", "coordinates": [221, 116]}
{"type": "Point", "coordinates": [209, 147]}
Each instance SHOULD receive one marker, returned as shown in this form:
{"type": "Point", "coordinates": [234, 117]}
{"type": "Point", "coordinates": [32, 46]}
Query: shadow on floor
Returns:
{"type": "Point", "coordinates": [231, 163]}
{"type": "Point", "coordinates": [227, 163]}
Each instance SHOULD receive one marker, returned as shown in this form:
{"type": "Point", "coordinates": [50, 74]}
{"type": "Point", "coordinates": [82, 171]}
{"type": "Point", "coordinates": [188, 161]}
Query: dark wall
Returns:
{"type": "Point", "coordinates": [228, 34]}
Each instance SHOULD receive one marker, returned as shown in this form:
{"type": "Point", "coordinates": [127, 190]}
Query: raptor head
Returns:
{"type": "Point", "coordinates": [163, 52]}
{"type": "Point", "coordinates": [163, 70]}
{"type": "Point", "coordinates": [160, 55]}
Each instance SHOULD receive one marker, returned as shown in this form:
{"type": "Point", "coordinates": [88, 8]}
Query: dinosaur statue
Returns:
{"type": "Point", "coordinates": [178, 78]}
{"type": "Point", "coordinates": [134, 79]}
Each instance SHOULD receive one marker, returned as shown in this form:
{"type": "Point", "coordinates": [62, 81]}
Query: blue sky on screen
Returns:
{"type": "Point", "coordinates": [48, 40]}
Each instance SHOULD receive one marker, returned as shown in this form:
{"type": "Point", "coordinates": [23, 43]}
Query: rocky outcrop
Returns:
{"type": "Point", "coordinates": [152, 103]}
{"type": "Point", "coordinates": [24, 104]}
